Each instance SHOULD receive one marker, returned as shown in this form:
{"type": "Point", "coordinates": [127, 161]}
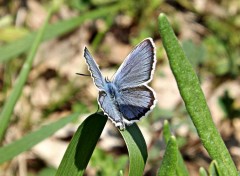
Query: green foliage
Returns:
{"type": "Point", "coordinates": [202, 172]}
{"type": "Point", "coordinates": [194, 99]}
{"type": "Point", "coordinates": [221, 58]}
{"type": "Point", "coordinates": [79, 5]}
{"type": "Point", "coordinates": [80, 107]}
{"type": "Point", "coordinates": [98, 38]}
{"type": "Point", "coordinates": [166, 131]}
{"type": "Point", "coordinates": [81, 147]}
{"type": "Point", "coordinates": [17, 90]}
{"type": "Point", "coordinates": [159, 112]}
{"type": "Point", "coordinates": [169, 162]}
{"type": "Point", "coordinates": [137, 149]}
{"type": "Point", "coordinates": [228, 30]}
{"type": "Point", "coordinates": [25, 143]}
{"type": "Point", "coordinates": [20, 46]}
{"type": "Point", "coordinates": [195, 53]}
{"type": "Point", "coordinates": [213, 170]}
{"type": "Point", "coordinates": [217, 57]}
{"type": "Point", "coordinates": [10, 33]}
{"type": "Point", "coordinates": [47, 172]}
{"type": "Point", "coordinates": [181, 169]}
{"type": "Point", "coordinates": [227, 104]}
{"type": "Point", "coordinates": [107, 164]}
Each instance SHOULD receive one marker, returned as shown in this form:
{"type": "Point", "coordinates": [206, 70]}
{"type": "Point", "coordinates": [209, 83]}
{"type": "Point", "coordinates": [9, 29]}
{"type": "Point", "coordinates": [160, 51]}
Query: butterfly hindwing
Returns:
{"type": "Point", "coordinates": [135, 103]}
{"type": "Point", "coordinates": [110, 109]}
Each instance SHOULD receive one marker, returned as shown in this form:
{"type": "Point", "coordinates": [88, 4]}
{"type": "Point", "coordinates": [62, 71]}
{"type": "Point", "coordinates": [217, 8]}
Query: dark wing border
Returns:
{"type": "Point", "coordinates": [129, 122]}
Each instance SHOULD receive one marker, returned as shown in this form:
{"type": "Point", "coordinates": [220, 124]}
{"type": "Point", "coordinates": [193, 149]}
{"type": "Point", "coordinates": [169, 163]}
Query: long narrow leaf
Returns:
{"type": "Point", "coordinates": [15, 48]}
{"type": "Point", "coordinates": [169, 162]}
{"type": "Point", "coordinates": [166, 131]}
{"type": "Point", "coordinates": [81, 147]}
{"type": "Point", "coordinates": [202, 172]}
{"type": "Point", "coordinates": [214, 169]}
{"type": "Point", "coordinates": [137, 149]}
{"type": "Point", "coordinates": [17, 90]}
{"type": "Point", "coordinates": [194, 99]}
{"type": "Point", "coordinates": [181, 169]}
{"type": "Point", "coordinates": [11, 150]}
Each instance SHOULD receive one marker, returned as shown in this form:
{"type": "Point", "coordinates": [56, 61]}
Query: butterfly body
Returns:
{"type": "Point", "coordinates": [127, 98]}
{"type": "Point", "coordinates": [112, 95]}
{"type": "Point", "coordinates": [112, 90]}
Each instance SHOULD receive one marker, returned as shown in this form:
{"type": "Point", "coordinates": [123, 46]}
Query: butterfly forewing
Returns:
{"type": "Point", "coordinates": [94, 70]}
{"type": "Point", "coordinates": [137, 68]}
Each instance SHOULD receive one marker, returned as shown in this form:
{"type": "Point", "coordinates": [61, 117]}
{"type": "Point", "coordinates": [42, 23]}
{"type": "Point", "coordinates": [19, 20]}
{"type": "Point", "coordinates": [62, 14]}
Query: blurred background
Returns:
{"type": "Point", "coordinates": [208, 32]}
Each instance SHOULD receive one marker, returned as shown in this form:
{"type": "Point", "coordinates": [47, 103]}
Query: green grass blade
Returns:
{"type": "Point", "coordinates": [202, 172]}
{"type": "Point", "coordinates": [194, 99]}
{"type": "Point", "coordinates": [213, 169]}
{"type": "Point", "coordinates": [166, 131]}
{"type": "Point", "coordinates": [11, 150]}
{"type": "Point", "coordinates": [17, 90]}
{"type": "Point", "coordinates": [81, 147]}
{"type": "Point", "coordinates": [169, 162]}
{"type": "Point", "coordinates": [181, 169]}
{"type": "Point", "coordinates": [137, 149]}
{"type": "Point", "coordinates": [19, 46]}
{"type": "Point", "coordinates": [100, 35]}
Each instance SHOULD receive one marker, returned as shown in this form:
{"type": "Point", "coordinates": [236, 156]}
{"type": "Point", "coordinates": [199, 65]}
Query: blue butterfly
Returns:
{"type": "Point", "coordinates": [127, 98]}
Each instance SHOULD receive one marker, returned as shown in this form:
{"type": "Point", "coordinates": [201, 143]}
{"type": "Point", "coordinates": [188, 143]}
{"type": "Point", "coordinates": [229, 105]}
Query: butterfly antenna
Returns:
{"type": "Point", "coordinates": [82, 74]}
